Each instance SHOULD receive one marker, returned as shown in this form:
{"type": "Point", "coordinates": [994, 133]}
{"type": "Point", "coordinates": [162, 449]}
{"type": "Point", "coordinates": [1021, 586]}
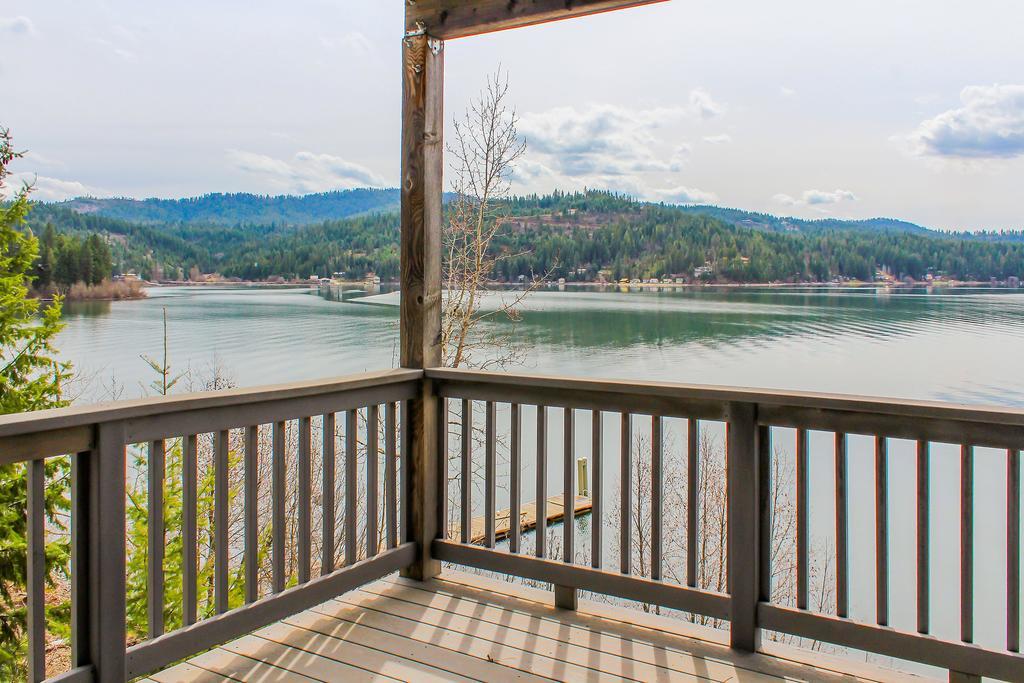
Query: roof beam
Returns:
{"type": "Point", "coordinates": [448, 19]}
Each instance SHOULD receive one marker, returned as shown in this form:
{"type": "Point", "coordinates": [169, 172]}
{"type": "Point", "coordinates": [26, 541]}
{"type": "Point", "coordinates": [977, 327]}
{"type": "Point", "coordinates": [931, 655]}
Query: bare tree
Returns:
{"type": "Point", "coordinates": [484, 153]}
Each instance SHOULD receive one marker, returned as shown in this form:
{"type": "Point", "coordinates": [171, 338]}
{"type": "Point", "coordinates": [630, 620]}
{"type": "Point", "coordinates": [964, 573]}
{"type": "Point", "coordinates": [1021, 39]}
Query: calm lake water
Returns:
{"type": "Point", "coordinates": [963, 346]}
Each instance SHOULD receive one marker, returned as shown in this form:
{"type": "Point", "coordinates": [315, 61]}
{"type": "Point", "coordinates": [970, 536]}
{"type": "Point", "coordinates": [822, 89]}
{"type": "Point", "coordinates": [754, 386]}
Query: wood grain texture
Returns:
{"type": "Point", "coordinates": [449, 19]}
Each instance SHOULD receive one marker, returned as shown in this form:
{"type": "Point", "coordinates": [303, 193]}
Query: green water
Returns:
{"type": "Point", "coordinates": [962, 346]}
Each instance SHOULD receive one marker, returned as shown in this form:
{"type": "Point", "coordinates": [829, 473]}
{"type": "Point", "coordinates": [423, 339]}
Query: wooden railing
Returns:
{"type": "Point", "coordinates": [754, 425]}
{"type": "Point", "coordinates": [259, 451]}
{"type": "Point", "coordinates": [253, 432]}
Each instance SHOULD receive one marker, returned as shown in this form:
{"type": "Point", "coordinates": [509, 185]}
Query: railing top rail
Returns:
{"type": "Point", "coordinates": [19, 424]}
{"type": "Point", "coordinates": [766, 398]}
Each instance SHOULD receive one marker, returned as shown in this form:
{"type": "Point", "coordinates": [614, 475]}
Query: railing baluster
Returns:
{"type": "Point", "coordinates": [251, 541]}
{"type": "Point", "coordinates": [405, 507]}
{"type": "Point", "coordinates": [327, 497]}
{"type": "Point", "coordinates": [443, 473]}
{"type": "Point", "coordinates": [882, 530]}
{"type": "Point", "coordinates": [568, 489]}
{"type": "Point", "coordinates": [692, 484]}
{"type": "Point", "coordinates": [79, 516]}
{"type": "Point", "coordinates": [155, 536]}
{"type": "Point", "coordinates": [765, 539]}
{"type": "Point", "coordinates": [923, 578]}
{"type": "Point", "coordinates": [35, 472]}
{"type": "Point", "coordinates": [657, 494]}
{"type": "Point", "coordinates": [490, 464]}
{"type": "Point", "coordinates": [596, 479]}
{"type": "Point", "coordinates": [304, 485]}
{"type": "Point", "coordinates": [278, 493]}
{"type": "Point", "coordinates": [391, 473]}
{"type": "Point", "coordinates": [189, 505]}
{"type": "Point", "coordinates": [542, 481]}
{"type": "Point", "coordinates": [966, 543]}
{"type": "Point", "coordinates": [220, 525]}
{"type": "Point", "coordinates": [802, 519]}
{"type": "Point", "coordinates": [1013, 550]}
{"type": "Point", "coordinates": [842, 528]}
{"type": "Point", "coordinates": [372, 462]}
{"type": "Point", "coordinates": [467, 470]}
{"type": "Point", "coordinates": [351, 486]}
{"type": "Point", "coordinates": [625, 497]}
{"type": "Point", "coordinates": [515, 524]}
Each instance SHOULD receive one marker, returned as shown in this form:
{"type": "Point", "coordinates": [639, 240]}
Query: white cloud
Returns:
{"type": "Point", "coordinates": [703, 105]}
{"type": "Point", "coordinates": [305, 172]}
{"type": "Point", "coordinates": [722, 139]}
{"type": "Point", "coordinates": [48, 189]}
{"type": "Point", "coordinates": [988, 125]}
{"type": "Point", "coordinates": [683, 195]}
{"type": "Point", "coordinates": [816, 198]}
{"type": "Point", "coordinates": [18, 26]}
{"type": "Point", "coordinates": [356, 42]}
{"type": "Point", "coordinates": [786, 92]}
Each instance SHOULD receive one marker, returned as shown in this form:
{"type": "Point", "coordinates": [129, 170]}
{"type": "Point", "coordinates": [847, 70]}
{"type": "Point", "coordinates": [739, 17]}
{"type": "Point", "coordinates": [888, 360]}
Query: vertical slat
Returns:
{"type": "Point", "coordinates": [391, 473]}
{"type": "Point", "coordinates": [189, 505]}
{"type": "Point", "coordinates": [743, 526]}
{"type": "Point", "coordinates": [327, 497]}
{"type": "Point", "coordinates": [467, 470]}
{"type": "Point", "coordinates": [490, 464]}
{"type": "Point", "coordinates": [79, 515]}
{"type": "Point", "coordinates": [1013, 551]}
{"type": "Point", "coordinates": [404, 501]}
{"type": "Point", "coordinates": [802, 521]}
{"type": "Point", "coordinates": [657, 493]}
{"type": "Point", "coordinates": [596, 479]}
{"type": "Point", "coordinates": [277, 485]}
{"type": "Point", "coordinates": [351, 486]}
{"type": "Point", "coordinates": [220, 524]}
{"type": "Point", "coordinates": [155, 536]}
{"type": "Point", "coordinates": [304, 480]}
{"type": "Point", "coordinates": [107, 622]}
{"type": "Point", "coordinates": [626, 492]}
{"type": "Point", "coordinates": [568, 488]}
{"type": "Point", "coordinates": [251, 526]}
{"type": "Point", "coordinates": [692, 487]}
{"type": "Point", "coordinates": [967, 543]}
{"type": "Point", "coordinates": [765, 511]}
{"type": "Point", "coordinates": [443, 472]}
{"type": "Point", "coordinates": [372, 463]}
{"type": "Point", "coordinates": [882, 530]}
{"type": "Point", "coordinates": [515, 493]}
{"type": "Point", "coordinates": [36, 569]}
{"type": "Point", "coordinates": [842, 528]}
{"type": "Point", "coordinates": [923, 579]}
{"type": "Point", "coordinates": [542, 481]}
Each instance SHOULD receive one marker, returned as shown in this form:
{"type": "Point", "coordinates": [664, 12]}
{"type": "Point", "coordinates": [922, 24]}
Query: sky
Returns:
{"type": "Point", "coordinates": [911, 109]}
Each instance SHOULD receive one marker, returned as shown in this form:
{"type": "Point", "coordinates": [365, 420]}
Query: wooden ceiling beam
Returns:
{"type": "Point", "coordinates": [448, 19]}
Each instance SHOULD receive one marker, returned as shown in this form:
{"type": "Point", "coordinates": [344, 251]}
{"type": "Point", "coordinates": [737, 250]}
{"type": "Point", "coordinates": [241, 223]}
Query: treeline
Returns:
{"type": "Point", "coordinates": [578, 236]}
{"type": "Point", "coordinates": [65, 260]}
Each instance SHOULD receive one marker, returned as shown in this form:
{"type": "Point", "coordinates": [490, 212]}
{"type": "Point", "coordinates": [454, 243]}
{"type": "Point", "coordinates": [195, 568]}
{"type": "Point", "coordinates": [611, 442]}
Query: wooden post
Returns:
{"type": "Point", "coordinates": [106, 503]}
{"type": "Point", "coordinates": [743, 484]}
{"type": "Point", "coordinates": [422, 184]}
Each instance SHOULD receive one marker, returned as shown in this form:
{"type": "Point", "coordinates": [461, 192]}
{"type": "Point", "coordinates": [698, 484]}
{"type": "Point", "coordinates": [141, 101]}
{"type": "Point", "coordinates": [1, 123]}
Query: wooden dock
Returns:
{"type": "Point", "coordinates": [527, 518]}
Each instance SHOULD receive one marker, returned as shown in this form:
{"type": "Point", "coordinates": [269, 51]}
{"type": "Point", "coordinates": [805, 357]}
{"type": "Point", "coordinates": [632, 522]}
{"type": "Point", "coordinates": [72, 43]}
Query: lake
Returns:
{"type": "Point", "coordinates": [958, 345]}
{"type": "Point", "coordinates": [952, 345]}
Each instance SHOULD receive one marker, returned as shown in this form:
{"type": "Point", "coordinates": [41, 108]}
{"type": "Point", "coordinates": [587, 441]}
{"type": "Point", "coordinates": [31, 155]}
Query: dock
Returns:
{"type": "Point", "coordinates": [527, 518]}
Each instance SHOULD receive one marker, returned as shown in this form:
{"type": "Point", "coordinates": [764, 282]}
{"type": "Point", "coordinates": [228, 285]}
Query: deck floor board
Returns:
{"type": "Point", "coordinates": [463, 627]}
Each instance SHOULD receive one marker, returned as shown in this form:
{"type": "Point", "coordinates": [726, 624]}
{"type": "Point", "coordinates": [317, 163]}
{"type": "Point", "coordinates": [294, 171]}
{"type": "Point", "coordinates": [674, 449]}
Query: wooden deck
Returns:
{"type": "Point", "coordinates": [467, 628]}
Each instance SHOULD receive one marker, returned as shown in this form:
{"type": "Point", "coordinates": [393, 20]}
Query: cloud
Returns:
{"type": "Point", "coordinates": [723, 139]}
{"type": "Point", "coordinates": [18, 26]}
{"type": "Point", "coordinates": [356, 42]}
{"type": "Point", "coordinates": [988, 125]}
{"type": "Point", "coordinates": [816, 198]}
{"type": "Point", "coordinates": [47, 189]}
{"type": "Point", "coordinates": [786, 92]}
{"type": "Point", "coordinates": [703, 105]}
{"type": "Point", "coordinates": [305, 172]}
{"type": "Point", "coordinates": [683, 195]}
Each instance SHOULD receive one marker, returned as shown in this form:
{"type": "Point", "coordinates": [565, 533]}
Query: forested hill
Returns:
{"type": "Point", "coordinates": [766, 221]}
{"type": "Point", "coordinates": [576, 236]}
{"type": "Point", "coordinates": [241, 209]}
